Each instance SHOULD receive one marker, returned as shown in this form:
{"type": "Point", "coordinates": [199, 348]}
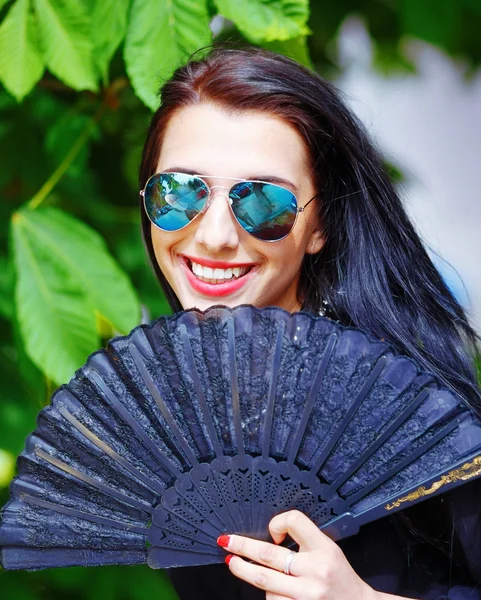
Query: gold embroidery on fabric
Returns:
{"type": "Point", "coordinates": [464, 473]}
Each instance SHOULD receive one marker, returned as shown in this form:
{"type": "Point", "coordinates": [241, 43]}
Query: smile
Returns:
{"type": "Point", "coordinates": [216, 279]}
{"type": "Point", "coordinates": [217, 275]}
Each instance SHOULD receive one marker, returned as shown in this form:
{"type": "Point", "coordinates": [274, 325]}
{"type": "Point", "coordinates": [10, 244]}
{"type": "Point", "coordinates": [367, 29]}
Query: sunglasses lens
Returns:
{"type": "Point", "coordinates": [265, 210]}
{"type": "Point", "coordinates": [172, 200]}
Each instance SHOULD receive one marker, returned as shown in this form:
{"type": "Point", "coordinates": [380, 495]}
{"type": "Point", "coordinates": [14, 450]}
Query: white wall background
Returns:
{"type": "Point", "coordinates": [429, 124]}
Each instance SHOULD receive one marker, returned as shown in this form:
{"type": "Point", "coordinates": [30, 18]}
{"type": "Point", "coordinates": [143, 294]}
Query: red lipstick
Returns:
{"type": "Point", "coordinates": [217, 289]}
{"type": "Point", "coordinates": [216, 264]}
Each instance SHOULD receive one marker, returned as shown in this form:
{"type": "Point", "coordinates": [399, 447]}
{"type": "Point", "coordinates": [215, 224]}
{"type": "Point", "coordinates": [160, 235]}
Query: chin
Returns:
{"type": "Point", "coordinates": [205, 303]}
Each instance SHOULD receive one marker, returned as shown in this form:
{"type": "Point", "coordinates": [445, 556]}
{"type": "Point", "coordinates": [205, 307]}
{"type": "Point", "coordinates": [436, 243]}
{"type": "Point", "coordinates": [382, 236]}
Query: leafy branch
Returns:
{"type": "Point", "coordinates": [55, 177]}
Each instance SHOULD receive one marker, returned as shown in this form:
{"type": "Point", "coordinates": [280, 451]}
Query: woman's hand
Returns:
{"type": "Point", "coordinates": [319, 571]}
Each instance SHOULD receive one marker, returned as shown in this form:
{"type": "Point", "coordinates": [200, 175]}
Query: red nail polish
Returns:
{"type": "Point", "coordinates": [228, 558]}
{"type": "Point", "coordinates": [223, 541]}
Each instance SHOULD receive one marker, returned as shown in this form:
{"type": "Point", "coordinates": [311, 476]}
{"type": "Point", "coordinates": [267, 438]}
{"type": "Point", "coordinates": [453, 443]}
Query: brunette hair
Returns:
{"type": "Point", "coordinates": [373, 269]}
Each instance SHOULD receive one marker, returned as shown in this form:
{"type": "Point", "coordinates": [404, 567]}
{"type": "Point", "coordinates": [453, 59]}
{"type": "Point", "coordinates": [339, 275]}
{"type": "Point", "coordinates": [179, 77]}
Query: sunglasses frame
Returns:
{"type": "Point", "coordinates": [208, 202]}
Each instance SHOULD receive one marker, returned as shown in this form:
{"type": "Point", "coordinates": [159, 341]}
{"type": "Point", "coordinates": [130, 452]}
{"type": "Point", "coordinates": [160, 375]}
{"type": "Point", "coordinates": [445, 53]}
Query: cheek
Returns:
{"type": "Point", "coordinates": [294, 246]}
{"type": "Point", "coordinates": [157, 245]}
{"type": "Point", "coordinates": [161, 244]}
{"type": "Point", "coordinates": [286, 259]}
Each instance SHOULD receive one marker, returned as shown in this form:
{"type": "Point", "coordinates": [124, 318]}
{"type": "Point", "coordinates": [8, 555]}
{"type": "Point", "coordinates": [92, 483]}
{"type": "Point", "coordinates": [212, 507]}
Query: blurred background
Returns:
{"type": "Point", "coordinates": [78, 83]}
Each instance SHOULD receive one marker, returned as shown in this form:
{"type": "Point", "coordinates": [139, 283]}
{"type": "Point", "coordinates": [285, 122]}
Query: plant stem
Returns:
{"type": "Point", "coordinates": [71, 155]}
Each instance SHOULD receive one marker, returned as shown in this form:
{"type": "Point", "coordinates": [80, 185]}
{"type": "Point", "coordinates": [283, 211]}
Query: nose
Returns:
{"type": "Point", "coordinates": [217, 229]}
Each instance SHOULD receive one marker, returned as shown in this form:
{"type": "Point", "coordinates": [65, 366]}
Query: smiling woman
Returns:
{"type": "Point", "coordinates": [260, 187]}
{"type": "Point", "coordinates": [198, 259]}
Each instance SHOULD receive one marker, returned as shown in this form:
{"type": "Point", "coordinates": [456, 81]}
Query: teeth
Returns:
{"type": "Point", "coordinates": [217, 275]}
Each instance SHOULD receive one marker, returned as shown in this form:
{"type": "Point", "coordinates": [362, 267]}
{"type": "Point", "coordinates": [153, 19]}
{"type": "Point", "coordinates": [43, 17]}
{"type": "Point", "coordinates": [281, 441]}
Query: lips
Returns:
{"type": "Point", "coordinates": [215, 278]}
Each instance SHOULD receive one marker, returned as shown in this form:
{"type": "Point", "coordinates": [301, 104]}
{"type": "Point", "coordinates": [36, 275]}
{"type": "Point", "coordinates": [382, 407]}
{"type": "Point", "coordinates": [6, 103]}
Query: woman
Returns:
{"type": "Point", "coordinates": [270, 193]}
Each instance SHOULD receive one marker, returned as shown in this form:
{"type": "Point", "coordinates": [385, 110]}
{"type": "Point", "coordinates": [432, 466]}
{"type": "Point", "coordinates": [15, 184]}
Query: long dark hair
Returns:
{"type": "Point", "coordinates": [373, 270]}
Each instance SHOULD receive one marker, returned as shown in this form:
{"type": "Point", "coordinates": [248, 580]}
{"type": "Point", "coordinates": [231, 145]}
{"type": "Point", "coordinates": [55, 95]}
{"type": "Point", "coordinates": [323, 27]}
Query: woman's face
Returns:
{"type": "Point", "coordinates": [209, 141]}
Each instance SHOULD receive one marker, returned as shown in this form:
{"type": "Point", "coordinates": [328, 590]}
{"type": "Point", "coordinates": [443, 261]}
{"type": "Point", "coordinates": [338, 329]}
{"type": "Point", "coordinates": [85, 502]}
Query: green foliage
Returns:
{"type": "Point", "coordinates": [7, 308]}
{"type": "Point", "coordinates": [62, 266]}
{"type": "Point", "coordinates": [104, 583]}
{"type": "Point", "coordinates": [21, 68]}
{"type": "Point", "coordinates": [76, 40]}
{"type": "Point", "coordinates": [64, 27]}
{"type": "Point", "coordinates": [267, 20]}
{"type": "Point", "coordinates": [436, 22]}
{"type": "Point", "coordinates": [109, 26]}
{"type": "Point", "coordinates": [162, 34]}
{"type": "Point", "coordinates": [78, 80]}
{"type": "Point", "coordinates": [56, 325]}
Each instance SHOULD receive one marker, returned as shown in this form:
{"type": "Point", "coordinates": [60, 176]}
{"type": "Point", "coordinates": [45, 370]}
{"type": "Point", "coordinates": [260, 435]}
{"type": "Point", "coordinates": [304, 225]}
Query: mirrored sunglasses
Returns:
{"type": "Point", "coordinates": [265, 210]}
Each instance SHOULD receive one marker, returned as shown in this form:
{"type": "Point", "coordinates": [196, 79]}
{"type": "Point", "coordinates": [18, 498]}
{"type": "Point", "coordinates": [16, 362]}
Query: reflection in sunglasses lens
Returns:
{"type": "Point", "coordinates": [173, 200]}
{"type": "Point", "coordinates": [265, 210]}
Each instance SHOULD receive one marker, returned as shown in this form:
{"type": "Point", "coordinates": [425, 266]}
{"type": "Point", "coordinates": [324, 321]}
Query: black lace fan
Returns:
{"type": "Point", "coordinates": [209, 423]}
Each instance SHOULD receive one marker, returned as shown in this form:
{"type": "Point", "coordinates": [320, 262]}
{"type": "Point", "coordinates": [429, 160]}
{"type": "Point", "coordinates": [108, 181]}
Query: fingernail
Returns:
{"type": "Point", "coordinates": [223, 540]}
{"type": "Point", "coordinates": [228, 558]}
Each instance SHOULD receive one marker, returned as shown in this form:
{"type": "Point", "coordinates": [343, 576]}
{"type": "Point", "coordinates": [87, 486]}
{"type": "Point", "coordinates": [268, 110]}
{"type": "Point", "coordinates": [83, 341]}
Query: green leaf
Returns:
{"type": "Point", "coordinates": [21, 65]}
{"type": "Point", "coordinates": [64, 29]}
{"type": "Point", "coordinates": [161, 35]}
{"type": "Point", "coordinates": [109, 26]}
{"type": "Point", "coordinates": [83, 253]}
{"type": "Point", "coordinates": [56, 320]}
{"type": "Point", "coordinates": [267, 20]}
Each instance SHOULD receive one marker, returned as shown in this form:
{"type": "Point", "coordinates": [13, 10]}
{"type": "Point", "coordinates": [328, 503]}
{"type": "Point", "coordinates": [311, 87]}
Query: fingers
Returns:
{"type": "Point", "coordinates": [318, 570]}
{"type": "Point", "coordinates": [264, 553]}
{"type": "Point", "coordinates": [298, 526]}
{"type": "Point", "coordinates": [277, 584]}
{"type": "Point", "coordinates": [301, 529]}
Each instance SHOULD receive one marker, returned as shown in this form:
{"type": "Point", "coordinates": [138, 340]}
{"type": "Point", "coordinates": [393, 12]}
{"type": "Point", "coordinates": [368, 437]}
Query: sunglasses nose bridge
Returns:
{"type": "Point", "coordinates": [221, 187]}
{"type": "Point", "coordinates": [211, 197]}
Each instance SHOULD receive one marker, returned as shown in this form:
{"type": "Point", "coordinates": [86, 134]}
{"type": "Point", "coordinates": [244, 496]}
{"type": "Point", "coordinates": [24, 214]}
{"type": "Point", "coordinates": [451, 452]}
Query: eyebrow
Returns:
{"type": "Point", "coordinates": [266, 178]}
